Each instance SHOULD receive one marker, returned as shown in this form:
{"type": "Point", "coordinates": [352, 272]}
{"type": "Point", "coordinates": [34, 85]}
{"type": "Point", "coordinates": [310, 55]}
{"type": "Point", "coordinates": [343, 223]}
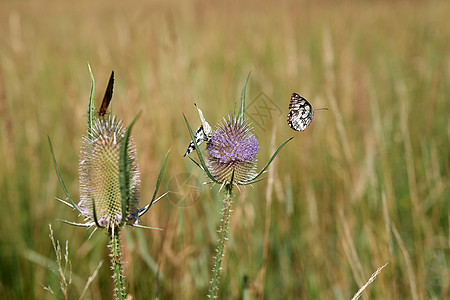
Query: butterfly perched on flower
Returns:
{"type": "Point", "coordinates": [203, 133]}
{"type": "Point", "coordinates": [300, 113]}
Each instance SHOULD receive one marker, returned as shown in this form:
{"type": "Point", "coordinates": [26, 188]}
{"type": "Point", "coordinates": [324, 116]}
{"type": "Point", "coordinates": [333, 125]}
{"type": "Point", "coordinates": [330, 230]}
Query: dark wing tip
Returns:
{"type": "Point", "coordinates": [108, 96]}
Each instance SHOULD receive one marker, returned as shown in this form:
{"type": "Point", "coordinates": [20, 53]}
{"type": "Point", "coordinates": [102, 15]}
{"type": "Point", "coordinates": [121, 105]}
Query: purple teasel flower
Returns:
{"type": "Point", "coordinates": [232, 149]}
{"type": "Point", "coordinates": [231, 160]}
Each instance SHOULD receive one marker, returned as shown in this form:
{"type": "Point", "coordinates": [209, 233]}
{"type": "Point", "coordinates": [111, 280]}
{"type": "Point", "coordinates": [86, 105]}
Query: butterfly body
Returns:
{"type": "Point", "coordinates": [203, 133]}
{"type": "Point", "coordinates": [300, 113]}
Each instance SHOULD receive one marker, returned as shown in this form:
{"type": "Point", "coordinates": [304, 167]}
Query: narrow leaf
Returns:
{"type": "Point", "coordinates": [91, 105]}
{"type": "Point", "coordinates": [193, 160]}
{"type": "Point", "coordinates": [61, 182]}
{"type": "Point", "coordinates": [158, 182]}
{"type": "Point", "coordinates": [242, 108]}
{"type": "Point", "coordinates": [268, 163]}
{"type": "Point", "coordinates": [254, 181]}
{"type": "Point", "coordinates": [124, 171]}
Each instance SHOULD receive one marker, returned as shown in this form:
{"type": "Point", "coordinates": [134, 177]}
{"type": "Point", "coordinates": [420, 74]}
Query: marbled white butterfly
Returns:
{"type": "Point", "coordinates": [300, 112]}
{"type": "Point", "coordinates": [203, 133]}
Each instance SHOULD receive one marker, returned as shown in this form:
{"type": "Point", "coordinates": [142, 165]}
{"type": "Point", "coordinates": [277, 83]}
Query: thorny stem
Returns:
{"type": "Point", "coordinates": [223, 236]}
{"type": "Point", "coordinates": [116, 263]}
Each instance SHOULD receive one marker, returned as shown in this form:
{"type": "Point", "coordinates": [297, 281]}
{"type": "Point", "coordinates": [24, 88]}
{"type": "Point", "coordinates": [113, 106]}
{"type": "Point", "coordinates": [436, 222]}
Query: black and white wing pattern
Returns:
{"type": "Point", "coordinates": [300, 113]}
{"type": "Point", "coordinates": [203, 133]}
{"type": "Point", "coordinates": [200, 137]}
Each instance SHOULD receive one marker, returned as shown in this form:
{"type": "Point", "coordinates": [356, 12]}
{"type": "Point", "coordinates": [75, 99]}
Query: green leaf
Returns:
{"type": "Point", "coordinates": [61, 182]}
{"type": "Point", "coordinates": [242, 108]}
{"type": "Point", "coordinates": [199, 154]}
{"type": "Point", "coordinates": [268, 163]}
{"type": "Point", "coordinates": [193, 160]}
{"type": "Point", "coordinates": [158, 182]}
{"type": "Point", "coordinates": [91, 105]}
{"type": "Point", "coordinates": [124, 171]}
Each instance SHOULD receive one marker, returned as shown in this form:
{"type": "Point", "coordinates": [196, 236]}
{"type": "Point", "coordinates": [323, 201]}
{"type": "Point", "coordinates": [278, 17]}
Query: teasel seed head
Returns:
{"type": "Point", "coordinates": [100, 195]}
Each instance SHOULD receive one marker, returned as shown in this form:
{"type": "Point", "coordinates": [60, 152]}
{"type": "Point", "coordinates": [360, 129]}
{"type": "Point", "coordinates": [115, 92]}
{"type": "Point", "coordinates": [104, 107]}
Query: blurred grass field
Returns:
{"type": "Point", "coordinates": [366, 184]}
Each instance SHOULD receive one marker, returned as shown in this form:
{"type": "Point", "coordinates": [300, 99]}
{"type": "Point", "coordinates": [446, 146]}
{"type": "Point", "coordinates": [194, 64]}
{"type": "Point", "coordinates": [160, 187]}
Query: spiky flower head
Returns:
{"type": "Point", "coordinates": [100, 195]}
{"type": "Point", "coordinates": [232, 148]}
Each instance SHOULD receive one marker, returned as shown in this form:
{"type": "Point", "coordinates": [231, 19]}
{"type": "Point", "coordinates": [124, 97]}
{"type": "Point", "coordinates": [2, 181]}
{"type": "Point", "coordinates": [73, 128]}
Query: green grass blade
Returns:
{"type": "Point", "coordinates": [124, 171]}
{"type": "Point", "coordinates": [199, 154]}
{"type": "Point", "coordinates": [158, 182]}
{"type": "Point", "coordinates": [91, 105]}
{"type": "Point", "coordinates": [61, 182]}
{"type": "Point", "coordinates": [268, 163]}
{"type": "Point", "coordinates": [242, 107]}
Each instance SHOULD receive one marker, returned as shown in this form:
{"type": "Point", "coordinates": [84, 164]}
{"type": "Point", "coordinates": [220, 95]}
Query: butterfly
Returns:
{"type": "Point", "coordinates": [300, 113]}
{"type": "Point", "coordinates": [203, 133]}
{"type": "Point", "coordinates": [108, 96]}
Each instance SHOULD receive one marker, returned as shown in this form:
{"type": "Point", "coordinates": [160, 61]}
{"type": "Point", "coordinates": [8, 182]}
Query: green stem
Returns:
{"type": "Point", "coordinates": [223, 236]}
{"type": "Point", "coordinates": [116, 264]}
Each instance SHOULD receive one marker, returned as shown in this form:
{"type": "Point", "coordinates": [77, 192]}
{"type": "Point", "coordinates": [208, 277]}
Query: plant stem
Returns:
{"type": "Point", "coordinates": [223, 236]}
{"type": "Point", "coordinates": [116, 264]}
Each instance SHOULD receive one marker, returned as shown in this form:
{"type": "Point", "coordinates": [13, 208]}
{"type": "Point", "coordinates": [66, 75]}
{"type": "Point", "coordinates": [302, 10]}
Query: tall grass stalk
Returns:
{"type": "Point", "coordinates": [371, 279]}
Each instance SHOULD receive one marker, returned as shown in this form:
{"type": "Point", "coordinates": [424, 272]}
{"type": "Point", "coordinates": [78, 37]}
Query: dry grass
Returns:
{"type": "Point", "coordinates": [365, 184]}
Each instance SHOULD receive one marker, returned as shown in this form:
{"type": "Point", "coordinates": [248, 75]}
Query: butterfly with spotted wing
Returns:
{"type": "Point", "coordinates": [203, 133]}
{"type": "Point", "coordinates": [300, 113]}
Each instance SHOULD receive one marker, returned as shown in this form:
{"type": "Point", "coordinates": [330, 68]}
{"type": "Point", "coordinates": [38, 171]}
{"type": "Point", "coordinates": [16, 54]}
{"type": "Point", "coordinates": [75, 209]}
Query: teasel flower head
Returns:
{"type": "Point", "coordinates": [231, 152]}
{"type": "Point", "coordinates": [109, 179]}
{"type": "Point", "coordinates": [231, 148]}
{"type": "Point", "coordinates": [100, 195]}
{"type": "Point", "coordinates": [108, 170]}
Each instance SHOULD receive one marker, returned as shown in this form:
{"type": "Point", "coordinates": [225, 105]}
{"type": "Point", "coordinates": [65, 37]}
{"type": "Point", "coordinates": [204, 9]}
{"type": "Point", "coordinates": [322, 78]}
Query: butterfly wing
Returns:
{"type": "Point", "coordinates": [203, 133]}
{"type": "Point", "coordinates": [108, 96]}
{"type": "Point", "coordinates": [300, 113]}
{"type": "Point", "coordinates": [200, 137]}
